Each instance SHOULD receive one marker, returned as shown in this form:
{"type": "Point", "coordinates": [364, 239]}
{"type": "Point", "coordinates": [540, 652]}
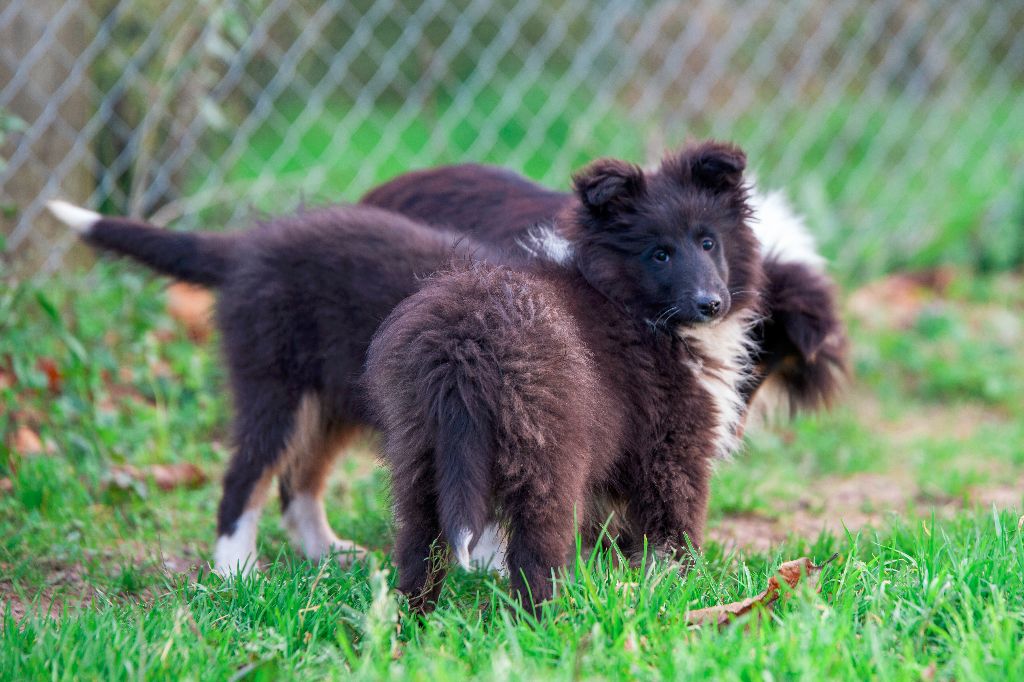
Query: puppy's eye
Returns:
{"type": "Point", "coordinates": [661, 255]}
{"type": "Point", "coordinates": [707, 244]}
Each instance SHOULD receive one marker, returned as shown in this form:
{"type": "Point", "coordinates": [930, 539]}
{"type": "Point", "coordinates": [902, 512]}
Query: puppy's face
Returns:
{"type": "Point", "coordinates": [671, 246]}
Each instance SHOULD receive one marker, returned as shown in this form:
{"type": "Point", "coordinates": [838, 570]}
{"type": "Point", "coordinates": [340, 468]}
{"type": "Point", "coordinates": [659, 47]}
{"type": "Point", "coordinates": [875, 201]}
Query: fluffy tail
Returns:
{"type": "Point", "coordinates": [463, 468]}
{"type": "Point", "coordinates": [198, 258]}
{"type": "Point", "coordinates": [802, 344]}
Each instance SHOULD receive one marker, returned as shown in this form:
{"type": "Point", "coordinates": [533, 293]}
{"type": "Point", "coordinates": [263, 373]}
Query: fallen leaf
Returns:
{"type": "Point", "coordinates": [165, 476]}
{"type": "Point", "coordinates": [791, 572]}
{"type": "Point", "coordinates": [54, 379]}
{"type": "Point", "coordinates": [7, 379]}
{"type": "Point", "coordinates": [27, 442]}
{"type": "Point", "coordinates": [899, 299]}
{"type": "Point", "coordinates": [191, 306]}
{"type": "Point", "coordinates": [120, 389]}
{"type": "Point", "coordinates": [6, 485]}
{"type": "Point", "coordinates": [182, 474]}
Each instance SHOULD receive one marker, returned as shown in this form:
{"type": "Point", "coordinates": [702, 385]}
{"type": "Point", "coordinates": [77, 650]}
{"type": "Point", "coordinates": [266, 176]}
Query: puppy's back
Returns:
{"type": "Point", "coordinates": [489, 203]}
{"type": "Point", "coordinates": [307, 291]}
{"type": "Point", "coordinates": [474, 379]}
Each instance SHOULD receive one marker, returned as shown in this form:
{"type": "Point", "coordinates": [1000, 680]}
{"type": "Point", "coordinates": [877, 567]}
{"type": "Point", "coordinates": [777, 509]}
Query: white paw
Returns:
{"type": "Point", "coordinates": [346, 551]}
{"type": "Point", "coordinates": [489, 552]}
{"type": "Point", "coordinates": [235, 554]}
{"type": "Point", "coordinates": [306, 523]}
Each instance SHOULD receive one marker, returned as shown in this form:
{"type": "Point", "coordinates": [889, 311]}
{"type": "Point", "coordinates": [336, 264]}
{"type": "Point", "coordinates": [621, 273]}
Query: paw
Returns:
{"type": "Point", "coordinates": [347, 552]}
{"type": "Point", "coordinates": [307, 527]}
{"type": "Point", "coordinates": [490, 550]}
{"type": "Point", "coordinates": [235, 554]}
{"type": "Point", "coordinates": [229, 561]}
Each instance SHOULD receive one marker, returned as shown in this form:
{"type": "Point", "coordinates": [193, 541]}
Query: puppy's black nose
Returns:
{"type": "Point", "coordinates": [708, 305]}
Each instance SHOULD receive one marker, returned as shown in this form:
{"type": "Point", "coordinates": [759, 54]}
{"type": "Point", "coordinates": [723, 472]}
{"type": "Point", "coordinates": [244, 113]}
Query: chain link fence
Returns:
{"type": "Point", "coordinates": [897, 126]}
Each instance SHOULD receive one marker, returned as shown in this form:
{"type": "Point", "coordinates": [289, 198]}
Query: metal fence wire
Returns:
{"type": "Point", "coordinates": [897, 126]}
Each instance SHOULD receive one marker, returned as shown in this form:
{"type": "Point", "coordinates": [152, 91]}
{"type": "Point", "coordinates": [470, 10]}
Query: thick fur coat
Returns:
{"type": "Point", "coordinates": [610, 376]}
{"type": "Point", "coordinates": [801, 340]}
{"type": "Point", "coordinates": [304, 288]}
{"type": "Point", "coordinates": [298, 300]}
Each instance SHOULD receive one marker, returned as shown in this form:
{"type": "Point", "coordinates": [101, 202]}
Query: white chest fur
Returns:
{"type": "Point", "coordinates": [727, 347]}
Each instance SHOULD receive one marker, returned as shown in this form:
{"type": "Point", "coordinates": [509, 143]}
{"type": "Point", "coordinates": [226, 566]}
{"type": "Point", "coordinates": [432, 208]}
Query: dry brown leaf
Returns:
{"type": "Point", "coordinates": [191, 305]}
{"type": "Point", "coordinates": [899, 299]}
{"type": "Point", "coordinates": [54, 379]}
{"type": "Point", "coordinates": [791, 572]}
{"type": "Point", "coordinates": [182, 474]}
{"type": "Point", "coordinates": [121, 388]}
{"type": "Point", "coordinates": [7, 379]}
{"type": "Point", "coordinates": [27, 442]}
{"type": "Point", "coordinates": [165, 476]}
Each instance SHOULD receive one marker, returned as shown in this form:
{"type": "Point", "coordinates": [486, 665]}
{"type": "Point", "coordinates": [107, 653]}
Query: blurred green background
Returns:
{"type": "Point", "coordinates": [896, 126]}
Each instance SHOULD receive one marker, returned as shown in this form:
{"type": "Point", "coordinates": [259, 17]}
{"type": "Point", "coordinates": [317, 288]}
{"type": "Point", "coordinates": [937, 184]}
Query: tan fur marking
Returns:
{"type": "Point", "coordinates": [258, 498]}
{"type": "Point", "coordinates": [312, 450]}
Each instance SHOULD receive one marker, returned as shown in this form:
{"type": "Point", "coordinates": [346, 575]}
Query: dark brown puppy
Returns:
{"type": "Point", "coordinates": [801, 342]}
{"type": "Point", "coordinates": [609, 374]}
{"type": "Point", "coordinates": [312, 438]}
{"type": "Point", "coordinates": [298, 300]}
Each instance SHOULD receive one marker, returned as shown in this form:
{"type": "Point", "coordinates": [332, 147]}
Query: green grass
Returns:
{"type": "Point", "coordinates": [932, 585]}
{"type": "Point", "coordinates": [941, 596]}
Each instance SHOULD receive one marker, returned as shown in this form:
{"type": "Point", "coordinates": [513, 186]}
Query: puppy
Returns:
{"type": "Point", "coordinates": [801, 344]}
{"type": "Point", "coordinates": [298, 300]}
{"type": "Point", "coordinates": [303, 442]}
{"type": "Point", "coordinates": [608, 375]}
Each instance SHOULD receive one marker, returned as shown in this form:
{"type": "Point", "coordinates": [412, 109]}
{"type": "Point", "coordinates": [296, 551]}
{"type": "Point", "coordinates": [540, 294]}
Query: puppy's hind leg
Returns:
{"type": "Point", "coordinates": [303, 481]}
{"type": "Point", "coordinates": [263, 425]}
{"type": "Point", "coordinates": [541, 509]}
{"type": "Point", "coordinates": [422, 554]}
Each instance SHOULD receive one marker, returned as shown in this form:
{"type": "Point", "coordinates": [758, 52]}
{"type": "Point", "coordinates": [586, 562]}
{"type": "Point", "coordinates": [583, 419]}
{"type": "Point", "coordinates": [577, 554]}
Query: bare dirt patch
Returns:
{"type": "Point", "coordinates": [69, 586]}
{"type": "Point", "coordinates": [65, 587]}
{"type": "Point", "coordinates": [837, 505]}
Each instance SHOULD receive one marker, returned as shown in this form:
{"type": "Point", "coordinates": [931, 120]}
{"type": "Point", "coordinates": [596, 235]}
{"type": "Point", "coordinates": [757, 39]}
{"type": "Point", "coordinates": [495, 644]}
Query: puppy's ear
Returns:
{"type": "Point", "coordinates": [717, 166]}
{"type": "Point", "coordinates": [608, 184]}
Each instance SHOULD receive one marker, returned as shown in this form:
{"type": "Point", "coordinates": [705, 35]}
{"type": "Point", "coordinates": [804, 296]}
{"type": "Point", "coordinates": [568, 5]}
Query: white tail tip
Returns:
{"type": "Point", "coordinates": [77, 218]}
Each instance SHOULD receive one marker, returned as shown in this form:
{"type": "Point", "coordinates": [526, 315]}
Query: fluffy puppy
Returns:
{"type": "Point", "coordinates": [801, 341]}
{"type": "Point", "coordinates": [298, 300]}
{"type": "Point", "coordinates": [608, 375]}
